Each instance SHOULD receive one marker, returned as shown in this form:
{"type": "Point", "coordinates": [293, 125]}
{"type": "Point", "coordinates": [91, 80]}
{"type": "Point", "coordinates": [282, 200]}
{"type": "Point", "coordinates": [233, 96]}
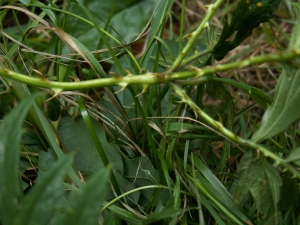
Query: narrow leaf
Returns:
{"type": "Point", "coordinates": [10, 137]}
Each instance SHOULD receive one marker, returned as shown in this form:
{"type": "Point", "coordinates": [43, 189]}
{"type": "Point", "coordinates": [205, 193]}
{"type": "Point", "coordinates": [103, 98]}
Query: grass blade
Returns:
{"type": "Point", "coordinates": [10, 136]}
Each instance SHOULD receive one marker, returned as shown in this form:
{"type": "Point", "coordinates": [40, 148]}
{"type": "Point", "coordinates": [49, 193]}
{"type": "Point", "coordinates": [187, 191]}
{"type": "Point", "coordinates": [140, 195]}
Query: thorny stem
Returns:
{"type": "Point", "coordinates": [230, 135]}
{"type": "Point", "coordinates": [147, 78]}
{"type": "Point", "coordinates": [194, 35]}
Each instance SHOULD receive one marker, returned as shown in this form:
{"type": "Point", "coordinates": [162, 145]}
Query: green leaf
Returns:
{"type": "Point", "coordinates": [42, 201]}
{"type": "Point", "coordinates": [84, 206]}
{"type": "Point", "coordinates": [162, 8]}
{"type": "Point", "coordinates": [140, 172]}
{"type": "Point", "coordinates": [247, 16]}
{"type": "Point", "coordinates": [289, 193]}
{"type": "Point", "coordinates": [284, 110]}
{"type": "Point", "coordinates": [130, 17]}
{"type": "Point", "coordinates": [225, 111]}
{"type": "Point", "coordinates": [215, 190]}
{"type": "Point", "coordinates": [263, 181]}
{"type": "Point", "coordinates": [46, 160]}
{"type": "Point", "coordinates": [10, 137]}
{"type": "Point", "coordinates": [294, 42]}
{"type": "Point", "coordinates": [294, 156]}
{"type": "Point", "coordinates": [258, 95]}
{"type": "Point", "coordinates": [77, 139]}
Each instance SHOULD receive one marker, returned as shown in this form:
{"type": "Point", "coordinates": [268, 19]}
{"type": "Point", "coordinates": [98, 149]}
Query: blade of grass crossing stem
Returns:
{"type": "Point", "coordinates": [101, 41]}
{"type": "Point", "coordinates": [103, 38]}
{"type": "Point", "coordinates": [59, 46]}
{"type": "Point", "coordinates": [95, 64]}
{"type": "Point", "coordinates": [10, 137]}
{"type": "Point", "coordinates": [42, 201]}
{"type": "Point", "coordinates": [162, 9]}
{"type": "Point", "coordinates": [163, 43]}
{"type": "Point", "coordinates": [97, 143]}
{"type": "Point", "coordinates": [159, 44]}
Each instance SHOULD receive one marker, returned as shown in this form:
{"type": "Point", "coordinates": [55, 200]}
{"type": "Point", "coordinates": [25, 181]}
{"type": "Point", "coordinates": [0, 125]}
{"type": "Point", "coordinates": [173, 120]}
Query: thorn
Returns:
{"type": "Point", "coordinates": [145, 88]}
{"type": "Point", "coordinates": [56, 93]}
{"type": "Point", "coordinates": [39, 73]}
{"type": "Point", "coordinates": [129, 73]}
{"type": "Point", "coordinates": [117, 76]}
{"type": "Point", "coordinates": [123, 85]}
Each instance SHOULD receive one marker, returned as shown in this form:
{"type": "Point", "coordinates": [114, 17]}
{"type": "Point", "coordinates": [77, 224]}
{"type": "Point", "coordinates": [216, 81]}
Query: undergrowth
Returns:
{"type": "Point", "coordinates": [140, 112]}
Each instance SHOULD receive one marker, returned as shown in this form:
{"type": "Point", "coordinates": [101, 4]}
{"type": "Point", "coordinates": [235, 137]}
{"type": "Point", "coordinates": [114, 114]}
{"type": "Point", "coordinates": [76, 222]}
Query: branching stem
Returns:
{"type": "Point", "coordinates": [230, 135]}
{"type": "Point", "coordinates": [147, 78]}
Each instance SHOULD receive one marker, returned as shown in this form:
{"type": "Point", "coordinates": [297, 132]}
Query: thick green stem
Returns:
{"type": "Point", "coordinates": [147, 78]}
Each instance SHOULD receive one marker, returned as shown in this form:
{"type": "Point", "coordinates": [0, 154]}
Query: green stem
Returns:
{"type": "Point", "coordinates": [194, 35]}
{"type": "Point", "coordinates": [230, 135]}
{"type": "Point", "coordinates": [147, 78]}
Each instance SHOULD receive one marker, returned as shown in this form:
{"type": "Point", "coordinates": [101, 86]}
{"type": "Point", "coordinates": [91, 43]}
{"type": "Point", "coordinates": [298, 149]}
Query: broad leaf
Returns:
{"type": "Point", "coordinates": [77, 139]}
{"type": "Point", "coordinates": [285, 109]}
{"type": "Point", "coordinates": [247, 16]}
{"type": "Point", "coordinates": [294, 156]}
{"type": "Point", "coordinates": [10, 136]}
{"type": "Point", "coordinates": [129, 19]}
{"type": "Point", "coordinates": [263, 181]}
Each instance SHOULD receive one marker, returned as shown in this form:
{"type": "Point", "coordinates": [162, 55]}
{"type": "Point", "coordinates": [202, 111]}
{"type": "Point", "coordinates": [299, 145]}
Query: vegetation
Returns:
{"type": "Point", "coordinates": [96, 130]}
